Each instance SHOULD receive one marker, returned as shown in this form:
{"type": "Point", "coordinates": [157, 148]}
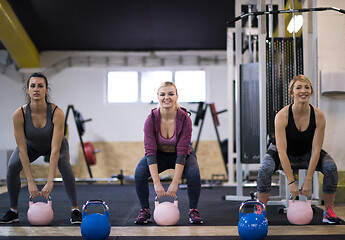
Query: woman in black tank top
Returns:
{"type": "Point", "coordinates": [299, 134]}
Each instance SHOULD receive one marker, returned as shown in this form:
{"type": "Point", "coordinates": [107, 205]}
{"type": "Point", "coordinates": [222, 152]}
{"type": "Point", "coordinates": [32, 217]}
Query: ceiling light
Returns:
{"type": "Point", "coordinates": [298, 24]}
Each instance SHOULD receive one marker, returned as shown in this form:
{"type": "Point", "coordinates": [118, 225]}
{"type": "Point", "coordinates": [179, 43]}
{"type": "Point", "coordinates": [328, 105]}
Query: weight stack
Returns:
{"type": "Point", "coordinates": [279, 72]}
{"type": "Point", "coordinates": [250, 113]}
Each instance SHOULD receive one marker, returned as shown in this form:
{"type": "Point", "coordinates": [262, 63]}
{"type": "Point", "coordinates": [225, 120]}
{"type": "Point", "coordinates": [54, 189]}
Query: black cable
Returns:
{"type": "Point", "coordinates": [258, 13]}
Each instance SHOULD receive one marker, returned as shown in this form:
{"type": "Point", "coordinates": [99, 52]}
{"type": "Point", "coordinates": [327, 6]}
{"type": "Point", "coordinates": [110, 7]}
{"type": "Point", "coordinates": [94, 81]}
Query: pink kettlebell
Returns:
{"type": "Point", "coordinates": [299, 212]}
{"type": "Point", "coordinates": [40, 213]}
{"type": "Point", "coordinates": [166, 213]}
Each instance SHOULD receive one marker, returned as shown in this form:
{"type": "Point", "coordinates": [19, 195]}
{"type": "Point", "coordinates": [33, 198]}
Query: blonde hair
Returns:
{"type": "Point", "coordinates": [167, 84]}
{"type": "Point", "coordinates": [301, 78]}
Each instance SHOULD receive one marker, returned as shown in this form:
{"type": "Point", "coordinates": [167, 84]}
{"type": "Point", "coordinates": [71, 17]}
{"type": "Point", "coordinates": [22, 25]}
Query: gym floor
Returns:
{"type": "Point", "coordinates": [152, 231]}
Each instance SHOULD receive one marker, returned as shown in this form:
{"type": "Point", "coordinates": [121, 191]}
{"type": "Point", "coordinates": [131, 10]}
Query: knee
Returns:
{"type": "Point", "coordinates": [192, 171]}
{"type": "Point", "coordinates": [141, 172]}
{"type": "Point", "coordinates": [14, 168]}
{"type": "Point", "coordinates": [330, 180]}
{"type": "Point", "coordinates": [265, 171]}
{"type": "Point", "coordinates": [64, 165]}
{"type": "Point", "coordinates": [264, 179]}
{"type": "Point", "coordinates": [329, 169]}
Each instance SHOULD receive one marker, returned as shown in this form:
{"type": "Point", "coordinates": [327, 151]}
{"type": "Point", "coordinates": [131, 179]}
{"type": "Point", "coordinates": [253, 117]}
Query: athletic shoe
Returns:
{"type": "Point", "coordinates": [76, 217]}
{"type": "Point", "coordinates": [10, 217]}
{"type": "Point", "coordinates": [144, 217]}
{"type": "Point", "coordinates": [194, 217]}
{"type": "Point", "coordinates": [330, 217]}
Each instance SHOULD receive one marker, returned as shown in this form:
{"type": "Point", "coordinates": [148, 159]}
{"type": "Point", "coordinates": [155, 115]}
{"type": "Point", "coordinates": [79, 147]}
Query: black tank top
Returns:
{"type": "Point", "coordinates": [299, 143]}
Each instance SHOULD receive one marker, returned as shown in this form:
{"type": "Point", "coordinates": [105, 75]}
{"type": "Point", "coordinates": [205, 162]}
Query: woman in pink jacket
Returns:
{"type": "Point", "coordinates": [167, 138]}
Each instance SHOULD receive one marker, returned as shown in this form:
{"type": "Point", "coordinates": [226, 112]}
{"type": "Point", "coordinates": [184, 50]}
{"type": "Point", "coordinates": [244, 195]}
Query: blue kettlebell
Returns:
{"type": "Point", "coordinates": [253, 226]}
{"type": "Point", "coordinates": [95, 226]}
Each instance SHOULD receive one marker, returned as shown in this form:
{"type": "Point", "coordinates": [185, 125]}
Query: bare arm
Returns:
{"type": "Point", "coordinates": [156, 180]}
{"type": "Point", "coordinates": [315, 152]}
{"type": "Point", "coordinates": [159, 189]}
{"type": "Point", "coordinates": [18, 124]}
{"type": "Point", "coordinates": [281, 122]}
{"type": "Point", "coordinates": [172, 190]}
{"type": "Point", "coordinates": [58, 133]}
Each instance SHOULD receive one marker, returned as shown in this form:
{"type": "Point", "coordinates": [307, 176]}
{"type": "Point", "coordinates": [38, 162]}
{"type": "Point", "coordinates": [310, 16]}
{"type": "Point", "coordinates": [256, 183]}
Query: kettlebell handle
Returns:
{"type": "Point", "coordinates": [297, 197]}
{"type": "Point", "coordinates": [175, 198]}
{"type": "Point", "coordinates": [96, 201]}
{"type": "Point", "coordinates": [252, 202]}
{"type": "Point", "coordinates": [175, 201]}
{"type": "Point", "coordinates": [31, 199]}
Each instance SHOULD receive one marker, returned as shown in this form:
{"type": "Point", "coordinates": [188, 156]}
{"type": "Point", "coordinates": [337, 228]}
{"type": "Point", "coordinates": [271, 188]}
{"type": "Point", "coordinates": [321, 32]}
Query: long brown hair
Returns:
{"type": "Point", "coordinates": [37, 75]}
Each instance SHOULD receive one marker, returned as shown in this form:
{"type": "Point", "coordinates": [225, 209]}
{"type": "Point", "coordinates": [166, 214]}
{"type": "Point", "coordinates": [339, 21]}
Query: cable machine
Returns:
{"type": "Point", "coordinates": [279, 59]}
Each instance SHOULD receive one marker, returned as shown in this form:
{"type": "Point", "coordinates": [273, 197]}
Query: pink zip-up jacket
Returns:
{"type": "Point", "coordinates": [183, 133]}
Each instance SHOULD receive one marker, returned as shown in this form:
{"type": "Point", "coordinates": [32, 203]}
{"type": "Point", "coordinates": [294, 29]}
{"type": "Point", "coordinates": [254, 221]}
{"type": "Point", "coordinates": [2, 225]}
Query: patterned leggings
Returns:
{"type": "Point", "coordinates": [270, 164]}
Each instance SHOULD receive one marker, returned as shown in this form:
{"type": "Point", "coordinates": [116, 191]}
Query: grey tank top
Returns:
{"type": "Point", "coordinates": [39, 139]}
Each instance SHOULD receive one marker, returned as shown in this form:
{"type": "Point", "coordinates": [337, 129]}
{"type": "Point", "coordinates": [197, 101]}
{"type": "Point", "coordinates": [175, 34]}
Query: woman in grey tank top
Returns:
{"type": "Point", "coordinates": [39, 131]}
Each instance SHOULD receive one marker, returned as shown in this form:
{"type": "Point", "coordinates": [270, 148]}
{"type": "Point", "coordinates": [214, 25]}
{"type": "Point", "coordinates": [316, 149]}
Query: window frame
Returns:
{"type": "Point", "coordinates": [139, 70]}
{"type": "Point", "coordinates": [107, 82]}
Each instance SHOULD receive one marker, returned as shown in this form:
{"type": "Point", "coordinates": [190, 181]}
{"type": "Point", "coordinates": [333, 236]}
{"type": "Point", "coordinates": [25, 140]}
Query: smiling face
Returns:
{"type": "Point", "coordinates": [37, 88]}
{"type": "Point", "coordinates": [301, 91]}
{"type": "Point", "coordinates": [167, 96]}
{"type": "Point", "coordinates": [301, 88]}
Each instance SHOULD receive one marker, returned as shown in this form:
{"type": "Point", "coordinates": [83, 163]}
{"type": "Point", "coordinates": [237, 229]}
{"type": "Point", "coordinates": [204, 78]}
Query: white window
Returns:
{"type": "Point", "coordinates": [150, 81]}
{"type": "Point", "coordinates": [122, 87]}
{"type": "Point", "coordinates": [191, 86]}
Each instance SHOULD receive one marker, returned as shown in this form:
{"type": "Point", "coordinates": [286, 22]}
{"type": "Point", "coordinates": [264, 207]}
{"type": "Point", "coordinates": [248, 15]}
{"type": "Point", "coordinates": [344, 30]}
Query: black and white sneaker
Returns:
{"type": "Point", "coordinates": [76, 216]}
{"type": "Point", "coordinates": [10, 217]}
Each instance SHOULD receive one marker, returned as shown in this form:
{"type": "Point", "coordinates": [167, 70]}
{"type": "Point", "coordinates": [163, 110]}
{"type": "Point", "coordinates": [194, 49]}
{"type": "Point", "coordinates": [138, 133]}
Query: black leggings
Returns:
{"type": "Point", "coordinates": [167, 161]}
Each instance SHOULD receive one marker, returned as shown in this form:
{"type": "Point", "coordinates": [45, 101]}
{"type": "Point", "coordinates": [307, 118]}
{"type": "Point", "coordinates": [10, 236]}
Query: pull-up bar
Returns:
{"type": "Point", "coordinates": [258, 13]}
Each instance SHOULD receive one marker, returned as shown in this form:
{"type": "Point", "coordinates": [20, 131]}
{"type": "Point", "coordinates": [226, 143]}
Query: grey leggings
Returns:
{"type": "Point", "coordinates": [64, 166]}
{"type": "Point", "coordinates": [269, 166]}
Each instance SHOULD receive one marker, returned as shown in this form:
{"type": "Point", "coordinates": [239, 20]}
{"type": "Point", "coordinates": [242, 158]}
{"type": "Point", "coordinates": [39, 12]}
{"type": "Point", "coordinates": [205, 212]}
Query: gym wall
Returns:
{"type": "Point", "coordinates": [117, 129]}
{"type": "Point", "coordinates": [11, 98]}
{"type": "Point", "coordinates": [331, 53]}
